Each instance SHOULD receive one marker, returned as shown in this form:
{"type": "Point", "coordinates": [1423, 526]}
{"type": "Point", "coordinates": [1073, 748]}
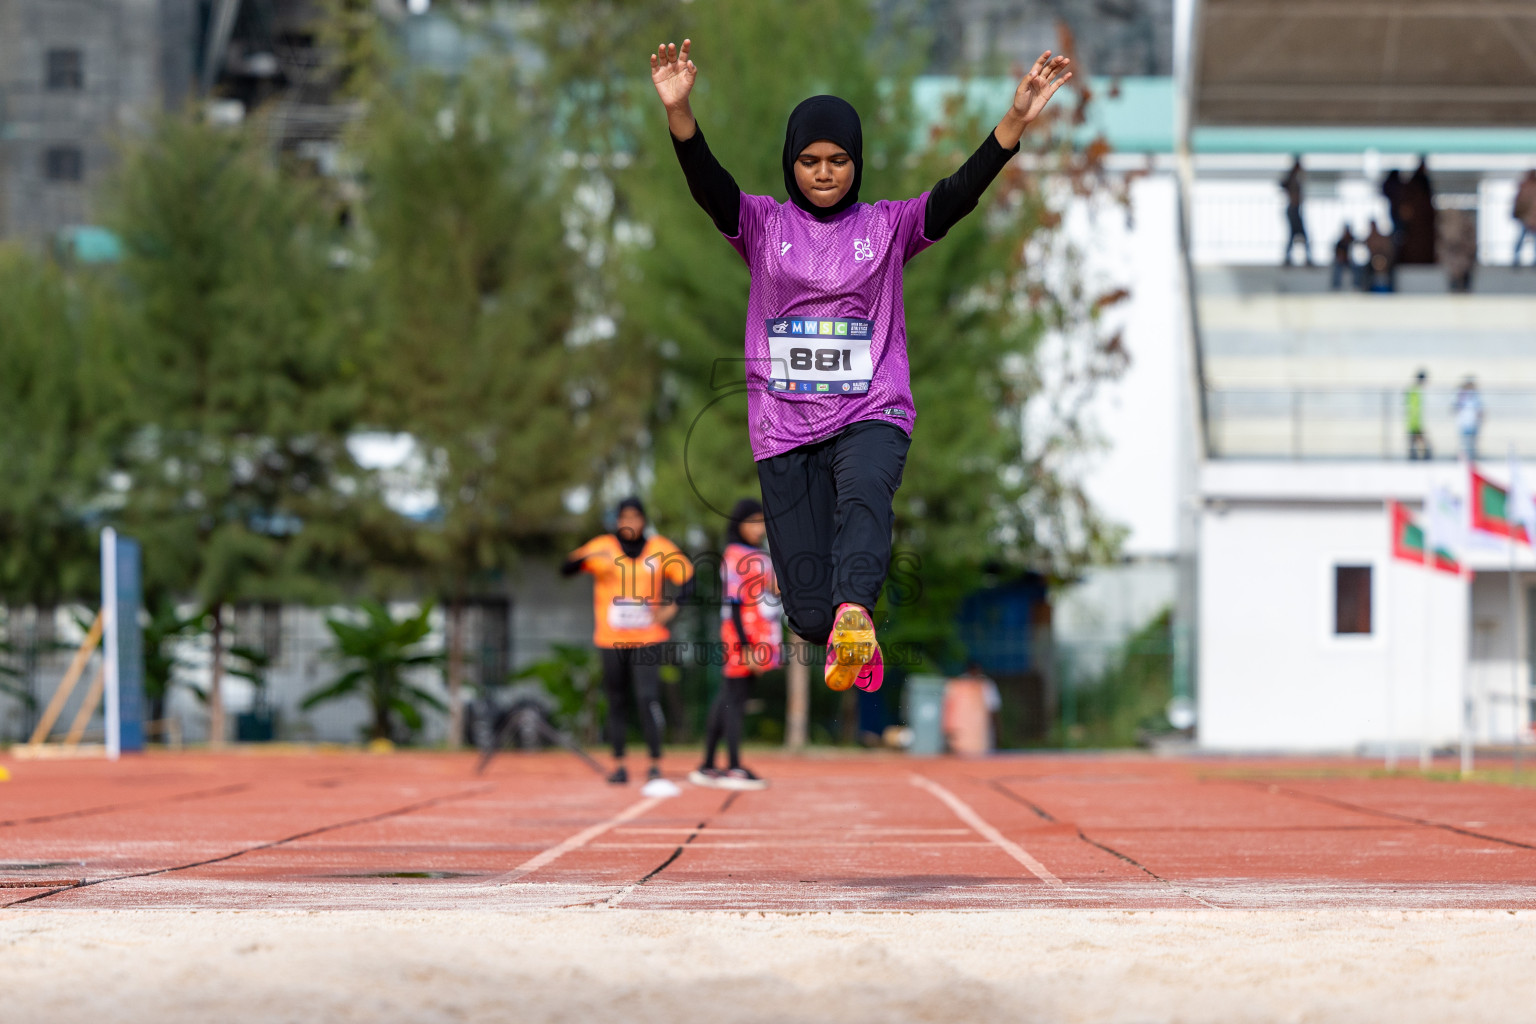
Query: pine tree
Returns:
{"type": "Point", "coordinates": [239, 388]}
{"type": "Point", "coordinates": [479, 348]}
{"type": "Point", "coordinates": [52, 468]}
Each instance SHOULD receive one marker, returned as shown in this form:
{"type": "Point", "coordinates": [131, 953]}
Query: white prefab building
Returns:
{"type": "Point", "coordinates": [1314, 637]}
{"type": "Point", "coordinates": [1308, 634]}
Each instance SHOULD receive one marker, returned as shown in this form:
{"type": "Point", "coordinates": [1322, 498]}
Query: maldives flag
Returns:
{"type": "Point", "coordinates": [1492, 511]}
{"type": "Point", "coordinates": [1408, 541]}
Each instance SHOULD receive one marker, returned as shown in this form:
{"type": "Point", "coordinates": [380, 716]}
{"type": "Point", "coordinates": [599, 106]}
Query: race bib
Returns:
{"type": "Point", "coordinates": [820, 355]}
{"type": "Point", "coordinates": [630, 616]}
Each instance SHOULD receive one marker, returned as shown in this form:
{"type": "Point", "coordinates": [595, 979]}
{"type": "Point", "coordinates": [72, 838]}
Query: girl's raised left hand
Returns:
{"type": "Point", "coordinates": [1037, 88]}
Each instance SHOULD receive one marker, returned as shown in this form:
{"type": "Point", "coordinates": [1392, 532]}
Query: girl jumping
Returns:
{"type": "Point", "coordinates": [829, 393]}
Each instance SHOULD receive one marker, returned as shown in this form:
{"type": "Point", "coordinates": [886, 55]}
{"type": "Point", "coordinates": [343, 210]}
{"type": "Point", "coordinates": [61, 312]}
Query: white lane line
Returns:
{"type": "Point", "coordinates": [578, 840]}
{"type": "Point", "coordinates": [965, 813]}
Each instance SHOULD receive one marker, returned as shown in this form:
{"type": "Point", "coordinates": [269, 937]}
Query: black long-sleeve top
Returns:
{"type": "Point", "coordinates": [716, 191]}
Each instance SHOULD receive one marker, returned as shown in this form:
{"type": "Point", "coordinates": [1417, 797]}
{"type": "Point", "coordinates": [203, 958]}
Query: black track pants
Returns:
{"type": "Point", "coordinates": [827, 507]}
{"type": "Point", "coordinates": [725, 718]}
{"type": "Point", "coordinates": [637, 671]}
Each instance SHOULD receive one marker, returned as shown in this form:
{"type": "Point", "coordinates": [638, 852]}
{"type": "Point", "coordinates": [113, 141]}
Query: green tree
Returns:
{"type": "Point", "coordinates": [383, 650]}
{"type": "Point", "coordinates": [239, 385]}
{"type": "Point", "coordinates": [480, 347]}
{"type": "Point", "coordinates": [1129, 701]}
{"type": "Point", "coordinates": [52, 467]}
{"type": "Point", "coordinates": [165, 627]}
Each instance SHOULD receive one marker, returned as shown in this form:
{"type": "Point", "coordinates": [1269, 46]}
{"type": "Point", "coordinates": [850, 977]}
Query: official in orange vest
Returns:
{"type": "Point", "coordinates": [632, 609]}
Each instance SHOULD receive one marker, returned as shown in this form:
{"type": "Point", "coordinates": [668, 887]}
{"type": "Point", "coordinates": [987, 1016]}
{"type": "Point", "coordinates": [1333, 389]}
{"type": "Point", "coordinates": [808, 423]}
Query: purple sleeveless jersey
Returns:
{"type": "Point", "coordinates": [826, 331]}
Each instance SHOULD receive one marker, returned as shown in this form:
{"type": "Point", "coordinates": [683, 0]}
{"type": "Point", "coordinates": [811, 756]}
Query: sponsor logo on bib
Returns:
{"type": "Point", "coordinates": [822, 356]}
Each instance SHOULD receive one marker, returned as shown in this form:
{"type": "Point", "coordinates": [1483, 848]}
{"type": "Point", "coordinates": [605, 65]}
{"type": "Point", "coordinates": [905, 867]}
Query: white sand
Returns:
{"type": "Point", "coordinates": [168, 967]}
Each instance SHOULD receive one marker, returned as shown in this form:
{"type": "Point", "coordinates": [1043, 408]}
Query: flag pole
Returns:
{"type": "Point", "coordinates": [1514, 615]}
{"type": "Point", "coordinates": [1429, 653]}
{"type": "Point", "coordinates": [1466, 692]}
{"type": "Point", "coordinates": [1514, 653]}
{"type": "Point", "coordinates": [1392, 602]}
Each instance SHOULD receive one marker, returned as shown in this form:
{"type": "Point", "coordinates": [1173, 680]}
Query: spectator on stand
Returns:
{"type": "Point", "coordinates": [1469, 417]}
{"type": "Point", "coordinates": [1381, 265]}
{"type": "Point", "coordinates": [1458, 248]}
{"type": "Point", "coordinates": [1413, 413]}
{"type": "Point", "coordinates": [1344, 261]}
{"type": "Point", "coordinates": [1419, 218]}
{"type": "Point", "coordinates": [1293, 183]}
{"type": "Point", "coordinates": [1525, 213]}
{"type": "Point", "coordinates": [1392, 191]}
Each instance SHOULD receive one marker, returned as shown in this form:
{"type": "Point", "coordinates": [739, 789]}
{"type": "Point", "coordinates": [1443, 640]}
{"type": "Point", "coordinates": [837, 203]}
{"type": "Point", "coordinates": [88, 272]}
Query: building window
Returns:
{"type": "Point", "coordinates": [1351, 599]}
{"type": "Point", "coordinates": [62, 163]}
{"type": "Point", "coordinates": [66, 71]}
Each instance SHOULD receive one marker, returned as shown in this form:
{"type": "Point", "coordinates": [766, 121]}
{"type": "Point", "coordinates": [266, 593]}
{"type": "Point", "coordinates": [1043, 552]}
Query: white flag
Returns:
{"type": "Point", "coordinates": [1522, 509]}
{"type": "Point", "coordinates": [1445, 528]}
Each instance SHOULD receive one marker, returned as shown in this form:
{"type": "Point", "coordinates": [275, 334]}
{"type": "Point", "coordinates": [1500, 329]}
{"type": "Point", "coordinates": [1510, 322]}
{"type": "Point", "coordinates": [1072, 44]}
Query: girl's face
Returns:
{"type": "Point", "coordinates": [752, 530]}
{"type": "Point", "coordinates": [824, 172]}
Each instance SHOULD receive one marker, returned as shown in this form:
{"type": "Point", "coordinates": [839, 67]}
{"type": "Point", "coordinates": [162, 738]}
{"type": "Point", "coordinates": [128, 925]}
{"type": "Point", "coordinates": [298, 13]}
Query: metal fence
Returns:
{"type": "Point", "coordinates": [1358, 423]}
{"type": "Point", "coordinates": [1242, 221]}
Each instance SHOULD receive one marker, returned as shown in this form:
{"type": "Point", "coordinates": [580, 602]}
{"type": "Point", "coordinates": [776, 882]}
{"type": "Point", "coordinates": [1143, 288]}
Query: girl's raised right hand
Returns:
{"type": "Point", "coordinates": [673, 73]}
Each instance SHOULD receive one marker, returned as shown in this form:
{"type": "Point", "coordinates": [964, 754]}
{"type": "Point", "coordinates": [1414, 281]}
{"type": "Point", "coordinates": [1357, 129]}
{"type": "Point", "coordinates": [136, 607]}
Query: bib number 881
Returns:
{"type": "Point", "coordinates": [821, 359]}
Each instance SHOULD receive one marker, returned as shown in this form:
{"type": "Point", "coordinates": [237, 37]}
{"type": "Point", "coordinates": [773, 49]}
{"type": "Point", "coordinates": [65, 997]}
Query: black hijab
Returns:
{"type": "Point", "coordinates": [745, 509]}
{"type": "Point", "coordinates": [634, 546]}
{"type": "Point", "coordinates": [823, 117]}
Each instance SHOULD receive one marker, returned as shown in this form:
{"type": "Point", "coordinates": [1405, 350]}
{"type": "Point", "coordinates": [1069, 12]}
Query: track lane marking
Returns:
{"type": "Point", "coordinates": [967, 814]}
{"type": "Point", "coordinates": [578, 840]}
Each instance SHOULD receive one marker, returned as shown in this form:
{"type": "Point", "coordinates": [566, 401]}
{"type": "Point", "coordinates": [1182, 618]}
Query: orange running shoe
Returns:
{"type": "Point", "coordinates": [850, 647]}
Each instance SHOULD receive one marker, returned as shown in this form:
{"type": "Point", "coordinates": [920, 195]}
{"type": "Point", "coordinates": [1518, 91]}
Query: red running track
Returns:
{"type": "Point", "coordinates": [857, 832]}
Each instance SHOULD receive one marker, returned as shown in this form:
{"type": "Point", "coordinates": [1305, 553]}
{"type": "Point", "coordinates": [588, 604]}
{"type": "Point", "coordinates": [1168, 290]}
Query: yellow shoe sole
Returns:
{"type": "Point", "coordinates": [853, 643]}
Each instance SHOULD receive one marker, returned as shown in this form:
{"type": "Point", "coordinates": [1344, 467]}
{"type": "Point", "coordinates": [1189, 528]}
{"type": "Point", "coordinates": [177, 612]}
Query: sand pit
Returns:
{"type": "Point", "coordinates": [168, 967]}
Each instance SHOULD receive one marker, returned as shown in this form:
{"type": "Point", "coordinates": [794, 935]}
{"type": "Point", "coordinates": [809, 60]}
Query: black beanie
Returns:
{"type": "Point", "coordinates": [823, 117]}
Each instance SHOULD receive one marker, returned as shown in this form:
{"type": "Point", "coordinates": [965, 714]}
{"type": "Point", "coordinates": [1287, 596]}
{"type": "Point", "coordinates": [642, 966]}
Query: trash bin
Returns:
{"type": "Point", "coordinates": [968, 715]}
{"type": "Point", "coordinates": [925, 714]}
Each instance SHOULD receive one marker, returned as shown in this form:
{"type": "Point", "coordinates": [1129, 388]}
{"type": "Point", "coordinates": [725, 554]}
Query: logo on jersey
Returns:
{"type": "Point", "coordinates": [862, 250]}
{"type": "Point", "coordinates": [784, 247]}
{"type": "Point", "coordinates": [781, 327]}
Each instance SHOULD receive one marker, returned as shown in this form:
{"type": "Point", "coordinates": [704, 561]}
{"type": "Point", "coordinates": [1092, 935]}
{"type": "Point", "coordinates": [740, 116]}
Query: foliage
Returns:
{"type": "Point", "coordinates": [50, 391]}
{"type": "Point", "coordinates": [10, 676]}
{"type": "Point", "coordinates": [163, 630]}
{"type": "Point", "coordinates": [383, 651]}
{"type": "Point", "coordinates": [569, 675]}
{"type": "Point", "coordinates": [522, 284]}
{"type": "Point", "coordinates": [1129, 700]}
{"type": "Point", "coordinates": [237, 390]}
{"type": "Point", "coordinates": [472, 316]}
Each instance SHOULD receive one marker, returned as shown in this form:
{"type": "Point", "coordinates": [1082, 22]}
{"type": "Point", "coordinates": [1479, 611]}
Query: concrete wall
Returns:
{"type": "Point", "coordinates": [1272, 674]}
{"type": "Point", "coordinates": [1500, 666]}
{"type": "Point", "coordinates": [136, 58]}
